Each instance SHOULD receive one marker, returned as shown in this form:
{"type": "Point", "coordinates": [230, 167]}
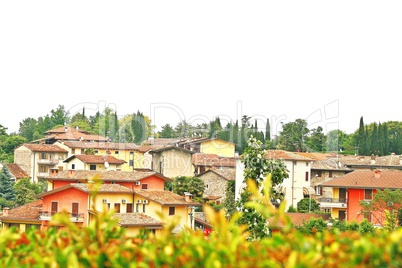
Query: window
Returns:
{"type": "Point", "coordinates": [144, 186]}
{"type": "Point", "coordinates": [117, 207]}
{"type": "Point", "coordinates": [172, 211]}
{"type": "Point", "coordinates": [368, 194]}
{"type": "Point", "coordinates": [330, 174]}
{"type": "Point", "coordinates": [42, 169]}
{"type": "Point", "coordinates": [306, 164]}
{"type": "Point", "coordinates": [54, 207]}
{"type": "Point", "coordinates": [129, 208]}
{"type": "Point", "coordinates": [319, 173]}
{"type": "Point", "coordinates": [131, 152]}
{"type": "Point", "coordinates": [137, 207]}
{"type": "Point", "coordinates": [43, 156]}
{"type": "Point", "coordinates": [116, 152]}
{"type": "Point", "coordinates": [73, 166]}
{"type": "Point", "coordinates": [143, 207]}
{"type": "Point", "coordinates": [96, 151]}
{"type": "Point", "coordinates": [318, 190]}
{"type": "Point", "coordinates": [73, 151]}
{"type": "Point", "coordinates": [74, 209]}
{"type": "Point", "coordinates": [307, 176]}
{"type": "Point", "coordinates": [130, 162]}
{"type": "Point", "coordinates": [92, 167]}
{"type": "Point", "coordinates": [82, 151]}
{"type": "Point", "coordinates": [29, 226]}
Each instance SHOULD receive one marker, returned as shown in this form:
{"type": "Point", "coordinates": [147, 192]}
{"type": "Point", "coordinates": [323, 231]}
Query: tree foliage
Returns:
{"type": "Point", "coordinates": [6, 185]}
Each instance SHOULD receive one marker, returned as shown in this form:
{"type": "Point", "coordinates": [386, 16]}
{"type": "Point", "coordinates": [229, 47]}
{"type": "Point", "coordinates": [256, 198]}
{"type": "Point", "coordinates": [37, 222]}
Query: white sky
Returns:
{"type": "Point", "coordinates": [329, 62]}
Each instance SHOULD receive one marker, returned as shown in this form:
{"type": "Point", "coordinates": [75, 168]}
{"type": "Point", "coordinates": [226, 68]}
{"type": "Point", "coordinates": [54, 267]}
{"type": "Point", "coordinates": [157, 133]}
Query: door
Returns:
{"type": "Point", "coordinates": [342, 195]}
{"type": "Point", "coordinates": [341, 215]}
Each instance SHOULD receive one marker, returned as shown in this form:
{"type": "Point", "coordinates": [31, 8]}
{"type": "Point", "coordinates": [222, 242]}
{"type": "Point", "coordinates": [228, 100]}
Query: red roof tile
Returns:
{"type": "Point", "coordinates": [137, 219]}
{"type": "Point", "coordinates": [285, 155]}
{"type": "Point", "coordinates": [165, 197]}
{"type": "Point", "coordinates": [44, 148]}
{"type": "Point", "coordinates": [386, 179]}
{"type": "Point", "coordinates": [200, 159]}
{"type": "Point", "coordinates": [17, 171]}
{"type": "Point", "coordinates": [30, 211]}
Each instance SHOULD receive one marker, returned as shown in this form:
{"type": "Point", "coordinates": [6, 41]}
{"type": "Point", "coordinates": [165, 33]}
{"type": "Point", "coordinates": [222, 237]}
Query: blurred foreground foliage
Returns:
{"type": "Point", "coordinates": [105, 244]}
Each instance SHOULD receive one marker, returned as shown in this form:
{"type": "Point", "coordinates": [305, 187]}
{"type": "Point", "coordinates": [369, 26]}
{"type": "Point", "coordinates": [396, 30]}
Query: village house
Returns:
{"type": "Point", "coordinates": [137, 199]}
{"type": "Point", "coordinates": [37, 160]}
{"type": "Point", "coordinates": [360, 185]}
{"type": "Point", "coordinates": [216, 183]}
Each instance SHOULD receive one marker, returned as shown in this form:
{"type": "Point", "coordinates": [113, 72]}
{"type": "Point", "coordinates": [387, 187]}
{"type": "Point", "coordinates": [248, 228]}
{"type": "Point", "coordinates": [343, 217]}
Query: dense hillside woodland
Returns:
{"type": "Point", "coordinates": [103, 244]}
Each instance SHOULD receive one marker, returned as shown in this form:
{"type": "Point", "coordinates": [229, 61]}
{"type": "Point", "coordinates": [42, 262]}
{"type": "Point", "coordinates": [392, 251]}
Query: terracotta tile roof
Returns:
{"type": "Point", "coordinates": [44, 148]}
{"type": "Point", "coordinates": [200, 159]}
{"type": "Point", "coordinates": [106, 175]}
{"type": "Point", "coordinates": [388, 160]}
{"type": "Point", "coordinates": [70, 133]}
{"type": "Point", "coordinates": [285, 155]}
{"type": "Point", "coordinates": [165, 197]}
{"type": "Point", "coordinates": [88, 188]}
{"type": "Point", "coordinates": [96, 159]}
{"type": "Point", "coordinates": [137, 219]}
{"type": "Point", "coordinates": [297, 219]}
{"type": "Point", "coordinates": [367, 179]}
{"type": "Point", "coordinates": [102, 145]}
{"type": "Point", "coordinates": [27, 212]}
{"type": "Point", "coordinates": [316, 156]}
{"type": "Point", "coordinates": [195, 140]}
{"type": "Point", "coordinates": [17, 171]}
{"type": "Point", "coordinates": [146, 148]}
{"type": "Point", "coordinates": [329, 164]}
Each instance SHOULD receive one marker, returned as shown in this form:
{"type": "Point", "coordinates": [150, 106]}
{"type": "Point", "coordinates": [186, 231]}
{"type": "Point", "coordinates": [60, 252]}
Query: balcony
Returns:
{"type": "Point", "coordinates": [74, 217]}
{"type": "Point", "coordinates": [48, 162]}
{"type": "Point", "coordinates": [328, 202]}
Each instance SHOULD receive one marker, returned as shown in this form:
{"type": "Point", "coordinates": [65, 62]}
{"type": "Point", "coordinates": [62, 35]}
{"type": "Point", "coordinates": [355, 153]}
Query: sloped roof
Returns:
{"type": "Point", "coordinates": [137, 219]}
{"type": "Point", "coordinates": [387, 160]}
{"type": "Point", "coordinates": [366, 179]}
{"type": "Point", "coordinates": [96, 159]}
{"type": "Point", "coordinates": [195, 140]}
{"type": "Point", "coordinates": [167, 148]}
{"type": "Point", "coordinates": [227, 173]}
{"type": "Point", "coordinates": [70, 133]}
{"type": "Point", "coordinates": [17, 171]}
{"type": "Point", "coordinates": [316, 156]}
{"type": "Point", "coordinates": [105, 175]}
{"type": "Point", "coordinates": [297, 219]}
{"type": "Point", "coordinates": [286, 155]}
{"type": "Point", "coordinates": [160, 141]}
{"type": "Point", "coordinates": [102, 145]}
{"type": "Point", "coordinates": [329, 164]}
{"type": "Point", "coordinates": [201, 159]}
{"type": "Point", "coordinates": [165, 197]}
{"type": "Point", "coordinates": [89, 187]}
{"type": "Point", "coordinates": [27, 212]}
{"type": "Point", "coordinates": [44, 148]}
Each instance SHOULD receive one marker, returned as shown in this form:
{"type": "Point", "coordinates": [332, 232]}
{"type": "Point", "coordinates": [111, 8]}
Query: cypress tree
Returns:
{"type": "Point", "coordinates": [6, 185]}
{"type": "Point", "coordinates": [268, 131]}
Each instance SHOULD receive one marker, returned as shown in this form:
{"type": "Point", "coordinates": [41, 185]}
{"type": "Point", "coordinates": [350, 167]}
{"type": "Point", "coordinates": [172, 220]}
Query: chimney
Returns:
{"type": "Point", "coordinates": [54, 172]}
{"type": "Point", "coordinates": [377, 174]}
{"type": "Point", "coordinates": [188, 197]}
{"type": "Point", "coordinates": [5, 211]}
{"type": "Point", "coordinates": [71, 172]}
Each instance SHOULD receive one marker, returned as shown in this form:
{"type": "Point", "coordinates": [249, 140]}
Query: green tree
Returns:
{"type": "Point", "coordinates": [6, 184]}
{"type": "Point", "coordinates": [386, 203]}
{"type": "Point", "coordinates": [138, 126]}
{"type": "Point", "coordinates": [167, 132]}
{"type": "Point", "coordinates": [192, 185]}
{"type": "Point", "coordinates": [230, 204]}
{"type": "Point", "coordinates": [256, 169]}
{"type": "Point", "coordinates": [293, 135]}
{"type": "Point", "coordinates": [25, 191]}
{"type": "Point", "coordinates": [316, 140]}
{"type": "Point", "coordinates": [307, 205]}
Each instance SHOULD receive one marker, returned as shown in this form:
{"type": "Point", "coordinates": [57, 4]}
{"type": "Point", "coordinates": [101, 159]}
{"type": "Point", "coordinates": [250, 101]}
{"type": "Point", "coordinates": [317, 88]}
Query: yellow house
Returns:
{"type": "Point", "coordinates": [93, 162]}
{"type": "Point", "coordinates": [129, 152]}
{"type": "Point", "coordinates": [209, 146]}
{"type": "Point", "coordinates": [172, 161]}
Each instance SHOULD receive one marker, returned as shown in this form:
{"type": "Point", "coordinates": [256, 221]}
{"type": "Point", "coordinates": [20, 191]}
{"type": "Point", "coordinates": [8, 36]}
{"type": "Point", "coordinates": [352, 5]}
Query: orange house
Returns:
{"type": "Point", "coordinates": [361, 185]}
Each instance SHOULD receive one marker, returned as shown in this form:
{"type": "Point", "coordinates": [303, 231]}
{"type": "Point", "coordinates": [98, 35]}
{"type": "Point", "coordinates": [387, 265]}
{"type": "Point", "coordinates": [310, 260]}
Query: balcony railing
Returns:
{"type": "Point", "coordinates": [333, 202]}
{"type": "Point", "coordinates": [48, 161]}
{"type": "Point", "coordinates": [74, 217]}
